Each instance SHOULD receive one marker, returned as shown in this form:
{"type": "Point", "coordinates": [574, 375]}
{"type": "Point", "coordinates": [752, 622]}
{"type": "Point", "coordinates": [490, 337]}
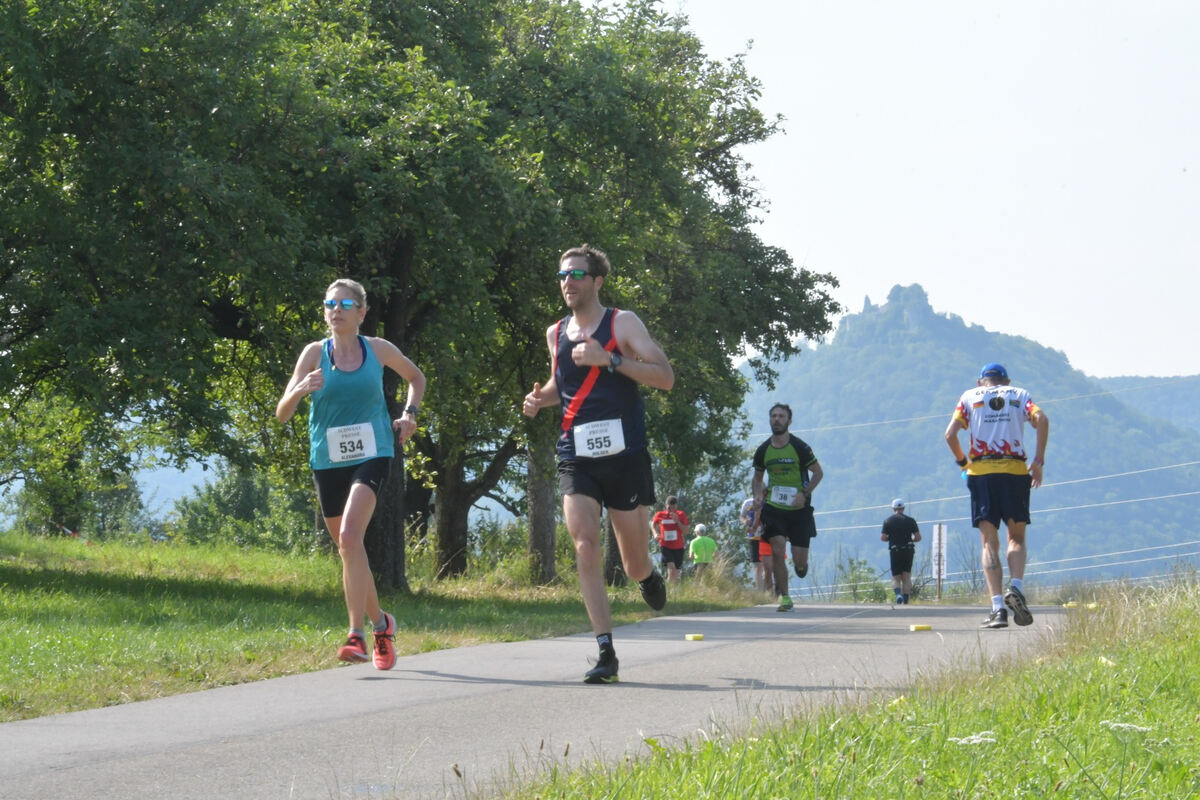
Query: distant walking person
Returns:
{"type": "Point", "coordinates": [994, 415]}
{"type": "Point", "coordinates": [671, 527]}
{"type": "Point", "coordinates": [598, 358]}
{"type": "Point", "coordinates": [901, 533]}
{"type": "Point", "coordinates": [763, 581]}
{"type": "Point", "coordinates": [785, 511]}
{"type": "Point", "coordinates": [701, 549]}
{"type": "Point", "coordinates": [351, 448]}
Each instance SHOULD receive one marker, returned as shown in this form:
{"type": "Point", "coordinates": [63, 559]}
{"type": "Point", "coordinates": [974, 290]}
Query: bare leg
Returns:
{"type": "Point", "coordinates": [993, 573]}
{"type": "Point", "coordinates": [582, 515]}
{"type": "Point", "coordinates": [633, 539]}
{"type": "Point", "coordinates": [347, 531]}
{"type": "Point", "coordinates": [779, 564]}
{"type": "Point", "coordinates": [1016, 549]}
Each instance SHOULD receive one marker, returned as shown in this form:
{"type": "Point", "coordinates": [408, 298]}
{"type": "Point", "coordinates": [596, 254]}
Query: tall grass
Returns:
{"type": "Point", "coordinates": [1110, 710]}
{"type": "Point", "coordinates": [91, 625]}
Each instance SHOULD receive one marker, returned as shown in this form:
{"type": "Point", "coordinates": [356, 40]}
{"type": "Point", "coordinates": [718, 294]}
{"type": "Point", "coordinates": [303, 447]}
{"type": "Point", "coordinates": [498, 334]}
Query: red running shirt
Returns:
{"type": "Point", "coordinates": [667, 530]}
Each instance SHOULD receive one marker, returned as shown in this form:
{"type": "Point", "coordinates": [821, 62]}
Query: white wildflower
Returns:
{"type": "Point", "coordinates": [1123, 726]}
{"type": "Point", "coordinates": [983, 737]}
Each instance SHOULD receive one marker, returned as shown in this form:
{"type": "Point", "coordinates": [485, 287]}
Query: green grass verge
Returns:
{"type": "Point", "coordinates": [92, 625]}
{"type": "Point", "coordinates": [1111, 710]}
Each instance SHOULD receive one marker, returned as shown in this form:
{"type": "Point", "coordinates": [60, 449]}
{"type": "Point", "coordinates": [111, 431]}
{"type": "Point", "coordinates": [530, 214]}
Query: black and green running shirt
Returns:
{"type": "Point", "coordinates": [787, 469]}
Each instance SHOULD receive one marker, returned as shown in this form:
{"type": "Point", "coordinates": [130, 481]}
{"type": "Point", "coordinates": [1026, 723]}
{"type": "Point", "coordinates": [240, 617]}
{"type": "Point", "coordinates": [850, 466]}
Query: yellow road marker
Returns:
{"type": "Point", "coordinates": [694, 637]}
{"type": "Point", "coordinates": [920, 627]}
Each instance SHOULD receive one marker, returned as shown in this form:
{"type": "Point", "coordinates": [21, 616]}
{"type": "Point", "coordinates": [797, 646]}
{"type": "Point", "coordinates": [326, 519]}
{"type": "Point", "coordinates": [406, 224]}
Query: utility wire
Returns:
{"type": "Point", "coordinates": [1052, 401]}
{"type": "Point", "coordinates": [1044, 486]}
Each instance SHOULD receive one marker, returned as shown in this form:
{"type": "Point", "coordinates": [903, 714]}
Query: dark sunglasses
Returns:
{"type": "Point", "coordinates": [573, 274]}
{"type": "Point", "coordinates": [346, 304]}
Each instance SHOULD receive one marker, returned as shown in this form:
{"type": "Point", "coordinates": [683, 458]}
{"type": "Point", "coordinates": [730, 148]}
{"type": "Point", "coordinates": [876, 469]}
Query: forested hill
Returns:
{"type": "Point", "coordinates": [874, 402]}
{"type": "Point", "coordinates": [1172, 399]}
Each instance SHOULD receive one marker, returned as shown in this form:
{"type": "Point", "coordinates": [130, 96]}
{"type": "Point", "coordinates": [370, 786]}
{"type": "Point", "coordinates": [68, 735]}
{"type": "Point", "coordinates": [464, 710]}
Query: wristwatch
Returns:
{"type": "Point", "coordinates": [616, 362]}
{"type": "Point", "coordinates": [411, 410]}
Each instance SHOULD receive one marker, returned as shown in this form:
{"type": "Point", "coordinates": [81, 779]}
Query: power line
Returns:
{"type": "Point", "coordinates": [1044, 486]}
{"type": "Point", "coordinates": [1116, 553]}
{"type": "Point", "coordinates": [1109, 392]}
{"type": "Point", "coordinates": [1121, 474]}
{"type": "Point", "coordinates": [1117, 564]}
{"type": "Point", "coordinates": [967, 576]}
{"type": "Point", "coordinates": [1115, 502]}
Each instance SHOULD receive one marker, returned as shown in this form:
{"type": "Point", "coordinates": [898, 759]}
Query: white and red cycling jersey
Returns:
{"type": "Point", "coordinates": [995, 418]}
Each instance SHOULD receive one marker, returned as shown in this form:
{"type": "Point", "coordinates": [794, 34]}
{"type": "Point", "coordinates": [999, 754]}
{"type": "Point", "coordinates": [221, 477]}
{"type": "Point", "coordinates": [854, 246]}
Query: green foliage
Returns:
{"type": "Point", "coordinates": [246, 509]}
{"type": "Point", "coordinates": [855, 580]}
{"type": "Point", "coordinates": [182, 179]}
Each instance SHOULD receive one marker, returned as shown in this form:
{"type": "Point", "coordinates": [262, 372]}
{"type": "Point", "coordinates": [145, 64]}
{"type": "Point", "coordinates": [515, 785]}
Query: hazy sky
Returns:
{"type": "Point", "coordinates": [1035, 166]}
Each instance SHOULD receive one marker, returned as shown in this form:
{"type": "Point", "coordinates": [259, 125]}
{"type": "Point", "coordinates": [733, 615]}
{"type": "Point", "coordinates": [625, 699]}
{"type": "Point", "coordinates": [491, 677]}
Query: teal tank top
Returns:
{"type": "Point", "coordinates": [348, 420]}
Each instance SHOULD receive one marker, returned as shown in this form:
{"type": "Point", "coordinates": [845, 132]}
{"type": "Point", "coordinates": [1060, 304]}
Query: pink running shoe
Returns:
{"type": "Point", "coordinates": [354, 650]}
{"type": "Point", "coordinates": [385, 649]}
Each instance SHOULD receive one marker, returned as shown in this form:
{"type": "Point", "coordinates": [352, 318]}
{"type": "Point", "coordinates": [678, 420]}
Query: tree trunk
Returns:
{"type": "Point", "coordinates": [614, 570]}
{"type": "Point", "coordinates": [541, 494]}
{"type": "Point", "coordinates": [456, 493]}
{"type": "Point", "coordinates": [450, 518]}
{"type": "Point", "coordinates": [384, 540]}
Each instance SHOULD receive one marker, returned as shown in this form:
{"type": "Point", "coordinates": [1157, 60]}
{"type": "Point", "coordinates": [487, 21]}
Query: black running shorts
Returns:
{"type": "Point", "coordinates": [999, 497]}
{"type": "Point", "coordinates": [797, 525]}
{"type": "Point", "coordinates": [333, 485]}
{"type": "Point", "coordinates": [621, 482]}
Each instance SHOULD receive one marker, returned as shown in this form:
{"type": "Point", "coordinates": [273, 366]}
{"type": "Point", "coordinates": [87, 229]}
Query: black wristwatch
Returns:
{"type": "Point", "coordinates": [616, 362]}
{"type": "Point", "coordinates": [411, 410]}
{"type": "Point", "coordinates": [962, 463]}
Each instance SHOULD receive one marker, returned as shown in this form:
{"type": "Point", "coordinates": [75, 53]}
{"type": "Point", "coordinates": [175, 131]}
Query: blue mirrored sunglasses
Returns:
{"type": "Point", "coordinates": [573, 274]}
{"type": "Point", "coordinates": [346, 304]}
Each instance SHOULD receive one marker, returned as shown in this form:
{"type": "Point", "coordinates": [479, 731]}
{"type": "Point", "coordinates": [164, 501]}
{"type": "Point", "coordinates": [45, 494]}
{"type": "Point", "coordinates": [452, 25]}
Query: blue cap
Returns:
{"type": "Point", "coordinates": [994, 371]}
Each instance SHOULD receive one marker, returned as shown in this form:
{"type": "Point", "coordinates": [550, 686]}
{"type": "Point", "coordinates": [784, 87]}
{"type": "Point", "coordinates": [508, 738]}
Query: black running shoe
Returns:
{"type": "Point", "coordinates": [654, 591]}
{"type": "Point", "coordinates": [800, 571]}
{"type": "Point", "coordinates": [603, 672]}
{"type": "Point", "coordinates": [997, 619]}
{"type": "Point", "coordinates": [1016, 604]}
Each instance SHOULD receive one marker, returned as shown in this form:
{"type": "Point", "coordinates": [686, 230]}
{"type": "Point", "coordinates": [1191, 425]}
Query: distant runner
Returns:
{"type": "Point", "coordinates": [785, 511]}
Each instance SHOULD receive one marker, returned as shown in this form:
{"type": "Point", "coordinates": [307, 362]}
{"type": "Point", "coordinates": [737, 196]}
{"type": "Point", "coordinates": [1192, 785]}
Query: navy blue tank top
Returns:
{"type": "Point", "coordinates": [590, 395]}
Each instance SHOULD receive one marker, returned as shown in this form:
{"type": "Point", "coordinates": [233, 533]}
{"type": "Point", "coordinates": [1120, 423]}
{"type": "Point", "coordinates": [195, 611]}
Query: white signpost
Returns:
{"type": "Point", "coordinates": [939, 555]}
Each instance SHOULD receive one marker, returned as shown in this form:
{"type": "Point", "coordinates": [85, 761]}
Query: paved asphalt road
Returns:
{"type": "Point", "coordinates": [450, 723]}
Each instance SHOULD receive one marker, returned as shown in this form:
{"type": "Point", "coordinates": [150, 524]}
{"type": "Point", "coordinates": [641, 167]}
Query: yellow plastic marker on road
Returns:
{"type": "Point", "coordinates": [920, 627]}
{"type": "Point", "coordinates": [694, 637]}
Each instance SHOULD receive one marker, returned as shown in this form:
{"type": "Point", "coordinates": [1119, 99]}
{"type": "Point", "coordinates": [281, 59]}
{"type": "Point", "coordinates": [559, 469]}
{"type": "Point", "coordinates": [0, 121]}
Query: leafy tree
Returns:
{"type": "Point", "coordinates": [623, 133]}
{"type": "Point", "coordinates": [183, 178]}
